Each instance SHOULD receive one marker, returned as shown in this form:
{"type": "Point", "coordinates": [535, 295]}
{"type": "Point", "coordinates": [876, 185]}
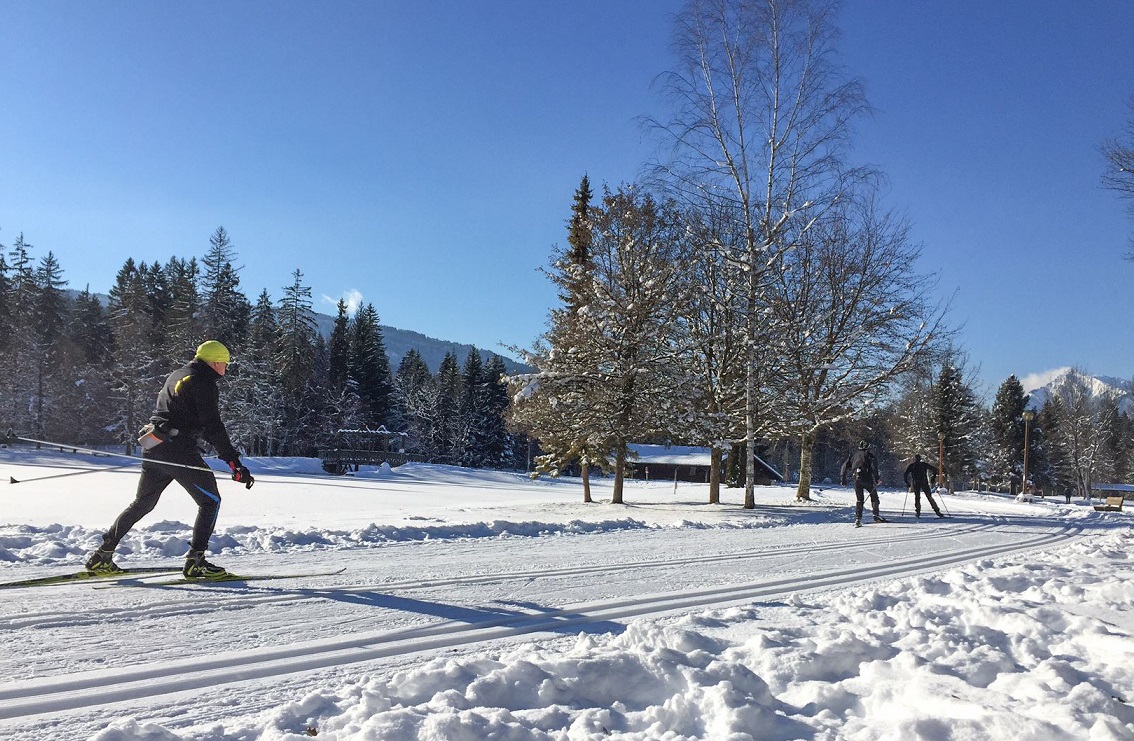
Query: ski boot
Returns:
{"type": "Point", "coordinates": [880, 518]}
{"type": "Point", "coordinates": [101, 562]}
{"type": "Point", "coordinates": [858, 522]}
{"type": "Point", "coordinates": [196, 567]}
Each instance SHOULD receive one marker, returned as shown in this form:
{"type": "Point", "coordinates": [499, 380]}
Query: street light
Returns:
{"type": "Point", "coordinates": [1028, 414]}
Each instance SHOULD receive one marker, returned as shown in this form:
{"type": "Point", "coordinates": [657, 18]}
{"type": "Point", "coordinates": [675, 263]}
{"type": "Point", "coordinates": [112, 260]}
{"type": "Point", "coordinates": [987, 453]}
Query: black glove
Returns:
{"type": "Point", "coordinates": [240, 474]}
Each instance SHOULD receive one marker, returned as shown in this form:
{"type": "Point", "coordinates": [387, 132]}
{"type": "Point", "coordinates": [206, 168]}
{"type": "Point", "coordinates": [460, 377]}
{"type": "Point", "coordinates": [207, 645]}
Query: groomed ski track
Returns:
{"type": "Point", "coordinates": [28, 705]}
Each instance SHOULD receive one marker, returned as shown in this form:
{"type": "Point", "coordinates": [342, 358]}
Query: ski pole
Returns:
{"type": "Point", "coordinates": [943, 505]}
{"type": "Point", "coordinates": [14, 480]}
{"type": "Point", "coordinates": [76, 448]}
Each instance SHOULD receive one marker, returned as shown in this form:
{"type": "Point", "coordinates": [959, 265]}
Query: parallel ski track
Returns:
{"type": "Point", "coordinates": [92, 689]}
{"type": "Point", "coordinates": [266, 594]}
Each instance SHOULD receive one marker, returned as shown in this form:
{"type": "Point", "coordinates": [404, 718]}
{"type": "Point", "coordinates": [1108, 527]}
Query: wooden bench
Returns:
{"type": "Point", "coordinates": [1113, 504]}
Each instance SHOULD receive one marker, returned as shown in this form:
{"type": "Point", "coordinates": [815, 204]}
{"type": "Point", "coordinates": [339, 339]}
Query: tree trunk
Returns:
{"type": "Point", "coordinates": [750, 419]}
{"type": "Point", "coordinates": [714, 475]}
{"type": "Point", "coordinates": [586, 472]}
{"type": "Point", "coordinates": [806, 451]}
{"type": "Point", "coordinates": [619, 471]}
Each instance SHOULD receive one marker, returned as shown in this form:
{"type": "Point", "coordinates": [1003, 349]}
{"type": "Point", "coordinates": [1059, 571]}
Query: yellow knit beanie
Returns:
{"type": "Point", "coordinates": [212, 352]}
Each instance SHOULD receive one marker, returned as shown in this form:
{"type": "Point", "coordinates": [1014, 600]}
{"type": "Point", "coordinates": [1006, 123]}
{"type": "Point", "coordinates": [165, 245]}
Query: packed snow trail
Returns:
{"type": "Point", "coordinates": [90, 689]}
{"type": "Point", "coordinates": [468, 595]}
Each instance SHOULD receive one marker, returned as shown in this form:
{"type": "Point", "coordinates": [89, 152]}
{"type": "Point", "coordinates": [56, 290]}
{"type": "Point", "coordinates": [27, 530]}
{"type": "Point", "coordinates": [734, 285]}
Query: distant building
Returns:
{"type": "Point", "coordinates": [665, 462]}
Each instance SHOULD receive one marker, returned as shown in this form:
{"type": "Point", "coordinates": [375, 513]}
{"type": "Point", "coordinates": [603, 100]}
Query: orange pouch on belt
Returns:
{"type": "Point", "coordinates": [150, 437]}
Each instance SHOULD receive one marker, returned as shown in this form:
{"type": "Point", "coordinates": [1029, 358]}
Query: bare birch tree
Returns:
{"type": "Point", "coordinates": [850, 316]}
{"type": "Point", "coordinates": [715, 350]}
{"type": "Point", "coordinates": [761, 117]}
{"type": "Point", "coordinates": [1119, 176]}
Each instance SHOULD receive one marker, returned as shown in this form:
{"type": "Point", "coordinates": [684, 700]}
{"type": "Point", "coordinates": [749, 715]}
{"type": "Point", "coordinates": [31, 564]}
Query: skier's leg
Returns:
{"type": "Point", "coordinates": [917, 501]}
{"type": "Point", "coordinates": [859, 500]}
{"type": "Point", "coordinates": [152, 483]}
{"type": "Point", "coordinates": [874, 500]}
{"type": "Point", "coordinates": [202, 486]}
{"type": "Point", "coordinates": [933, 503]}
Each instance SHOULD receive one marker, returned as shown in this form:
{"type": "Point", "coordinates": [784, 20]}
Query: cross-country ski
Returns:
{"type": "Point", "coordinates": [84, 576]}
{"type": "Point", "coordinates": [219, 579]}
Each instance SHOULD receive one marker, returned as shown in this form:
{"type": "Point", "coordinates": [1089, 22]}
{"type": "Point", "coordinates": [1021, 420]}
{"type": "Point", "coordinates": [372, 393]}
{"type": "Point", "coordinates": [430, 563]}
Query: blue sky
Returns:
{"type": "Point", "coordinates": [423, 155]}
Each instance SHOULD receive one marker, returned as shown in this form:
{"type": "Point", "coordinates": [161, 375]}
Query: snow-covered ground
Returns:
{"type": "Point", "coordinates": [480, 605]}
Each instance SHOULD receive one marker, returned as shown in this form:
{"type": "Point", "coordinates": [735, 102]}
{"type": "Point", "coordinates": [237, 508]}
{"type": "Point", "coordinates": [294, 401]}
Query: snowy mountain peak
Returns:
{"type": "Point", "coordinates": [1042, 386]}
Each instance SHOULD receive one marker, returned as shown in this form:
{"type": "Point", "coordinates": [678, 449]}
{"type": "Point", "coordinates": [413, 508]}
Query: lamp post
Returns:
{"type": "Point", "coordinates": [940, 460]}
{"type": "Point", "coordinates": [1028, 414]}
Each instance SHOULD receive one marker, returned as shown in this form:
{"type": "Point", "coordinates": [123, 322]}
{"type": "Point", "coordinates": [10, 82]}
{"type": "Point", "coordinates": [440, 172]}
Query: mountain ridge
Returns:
{"type": "Point", "coordinates": [398, 342]}
{"type": "Point", "coordinates": [1042, 386]}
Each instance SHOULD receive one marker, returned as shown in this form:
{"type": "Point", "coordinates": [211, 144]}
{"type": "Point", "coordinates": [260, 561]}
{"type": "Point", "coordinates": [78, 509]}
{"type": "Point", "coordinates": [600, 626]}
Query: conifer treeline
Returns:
{"type": "Point", "coordinates": [75, 371]}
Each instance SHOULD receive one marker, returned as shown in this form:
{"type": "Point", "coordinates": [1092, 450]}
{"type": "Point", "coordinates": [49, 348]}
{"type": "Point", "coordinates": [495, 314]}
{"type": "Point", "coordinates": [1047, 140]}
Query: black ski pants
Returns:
{"type": "Point", "coordinates": [917, 491]}
{"type": "Point", "coordinates": [860, 487]}
{"type": "Point", "coordinates": [201, 485]}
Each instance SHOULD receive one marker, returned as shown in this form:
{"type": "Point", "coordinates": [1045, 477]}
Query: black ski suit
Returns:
{"type": "Point", "coordinates": [917, 479]}
{"type": "Point", "coordinates": [187, 409]}
{"type": "Point", "coordinates": [864, 467]}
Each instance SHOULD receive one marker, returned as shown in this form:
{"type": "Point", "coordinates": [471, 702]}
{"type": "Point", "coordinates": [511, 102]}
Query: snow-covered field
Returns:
{"type": "Point", "coordinates": [480, 605]}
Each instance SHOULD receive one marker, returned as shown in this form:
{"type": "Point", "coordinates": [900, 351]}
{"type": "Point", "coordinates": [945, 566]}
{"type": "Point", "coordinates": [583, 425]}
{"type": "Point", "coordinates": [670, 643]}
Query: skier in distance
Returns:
{"type": "Point", "coordinates": [864, 467]}
{"type": "Point", "coordinates": [917, 479]}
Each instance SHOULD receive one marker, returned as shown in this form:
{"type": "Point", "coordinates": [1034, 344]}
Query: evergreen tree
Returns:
{"type": "Point", "coordinates": [338, 408]}
{"type": "Point", "coordinates": [1124, 447]}
{"type": "Point", "coordinates": [958, 414]}
{"type": "Point", "coordinates": [339, 348]}
{"type": "Point", "coordinates": [1052, 468]}
{"type": "Point", "coordinates": [7, 318]}
{"type": "Point", "coordinates": [181, 326]}
{"type": "Point", "coordinates": [90, 328]}
{"type": "Point", "coordinates": [16, 365]}
{"type": "Point", "coordinates": [368, 367]}
{"type": "Point", "coordinates": [580, 265]}
{"type": "Point", "coordinates": [1007, 430]}
{"type": "Point", "coordinates": [497, 444]}
{"type": "Point", "coordinates": [295, 364]}
{"type": "Point", "coordinates": [136, 372]}
{"type": "Point", "coordinates": [416, 393]}
{"type": "Point", "coordinates": [23, 287]}
{"type": "Point", "coordinates": [156, 286]}
{"type": "Point", "coordinates": [449, 432]}
{"type": "Point", "coordinates": [264, 328]}
{"type": "Point", "coordinates": [90, 335]}
{"type": "Point", "coordinates": [254, 401]}
{"type": "Point", "coordinates": [472, 412]}
{"type": "Point", "coordinates": [552, 404]}
{"type": "Point", "coordinates": [224, 308]}
{"type": "Point", "coordinates": [54, 361]}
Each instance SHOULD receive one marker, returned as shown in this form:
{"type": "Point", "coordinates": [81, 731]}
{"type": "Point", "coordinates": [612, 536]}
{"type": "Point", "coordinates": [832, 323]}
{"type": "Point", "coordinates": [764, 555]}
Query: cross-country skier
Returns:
{"type": "Point", "coordinates": [917, 479]}
{"type": "Point", "coordinates": [863, 465]}
{"type": "Point", "coordinates": [186, 411]}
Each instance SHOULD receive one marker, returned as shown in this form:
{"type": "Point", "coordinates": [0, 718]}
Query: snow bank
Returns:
{"type": "Point", "coordinates": [999, 649]}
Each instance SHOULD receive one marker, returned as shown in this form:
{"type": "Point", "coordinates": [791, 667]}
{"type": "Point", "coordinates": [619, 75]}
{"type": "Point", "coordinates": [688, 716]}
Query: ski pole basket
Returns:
{"type": "Point", "coordinates": [353, 448]}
